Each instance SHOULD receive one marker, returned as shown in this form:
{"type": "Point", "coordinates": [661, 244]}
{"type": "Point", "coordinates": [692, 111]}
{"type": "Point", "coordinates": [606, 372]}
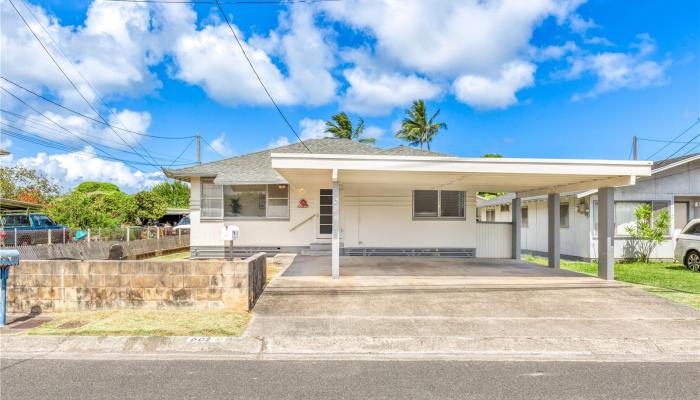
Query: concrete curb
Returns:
{"type": "Point", "coordinates": [352, 348]}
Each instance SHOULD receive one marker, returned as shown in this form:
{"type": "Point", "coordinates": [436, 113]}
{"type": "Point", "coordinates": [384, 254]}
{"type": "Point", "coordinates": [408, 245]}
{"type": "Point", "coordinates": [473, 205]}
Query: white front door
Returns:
{"type": "Point", "coordinates": [325, 214]}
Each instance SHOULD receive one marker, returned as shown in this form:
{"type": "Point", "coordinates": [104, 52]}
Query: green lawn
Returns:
{"type": "Point", "coordinates": [143, 322]}
{"type": "Point", "coordinates": [185, 255]}
{"type": "Point", "coordinates": [668, 280]}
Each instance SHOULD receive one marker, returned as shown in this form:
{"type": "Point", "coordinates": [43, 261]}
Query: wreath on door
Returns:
{"type": "Point", "coordinates": [303, 203]}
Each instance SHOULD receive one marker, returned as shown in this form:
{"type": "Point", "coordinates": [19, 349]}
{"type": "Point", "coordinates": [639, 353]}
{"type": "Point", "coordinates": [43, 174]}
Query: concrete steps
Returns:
{"type": "Point", "coordinates": [317, 249]}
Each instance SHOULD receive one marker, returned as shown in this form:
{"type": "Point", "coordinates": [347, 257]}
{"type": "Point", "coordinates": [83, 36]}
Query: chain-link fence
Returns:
{"type": "Point", "coordinates": [92, 243]}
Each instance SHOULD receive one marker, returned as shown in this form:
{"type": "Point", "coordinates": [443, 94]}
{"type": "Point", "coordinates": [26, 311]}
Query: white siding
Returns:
{"type": "Point", "coordinates": [493, 240]}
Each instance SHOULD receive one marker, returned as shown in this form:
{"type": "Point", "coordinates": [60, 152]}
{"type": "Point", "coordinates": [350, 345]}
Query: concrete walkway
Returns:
{"type": "Point", "coordinates": [452, 306]}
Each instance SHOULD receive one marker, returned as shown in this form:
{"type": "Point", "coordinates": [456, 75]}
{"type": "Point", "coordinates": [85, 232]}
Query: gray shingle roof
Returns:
{"type": "Point", "coordinates": [257, 167]}
{"type": "Point", "coordinates": [663, 163]}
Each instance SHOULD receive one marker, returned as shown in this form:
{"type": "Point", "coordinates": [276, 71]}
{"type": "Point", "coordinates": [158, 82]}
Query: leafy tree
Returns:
{"type": "Point", "coordinates": [90, 187]}
{"type": "Point", "coordinates": [416, 128]}
{"type": "Point", "coordinates": [104, 209]}
{"type": "Point", "coordinates": [148, 206]}
{"type": "Point", "coordinates": [175, 193]}
{"type": "Point", "coordinates": [341, 127]}
{"type": "Point", "coordinates": [26, 184]}
{"type": "Point", "coordinates": [648, 231]}
{"type": "Point", "coordinates": [491, 195]}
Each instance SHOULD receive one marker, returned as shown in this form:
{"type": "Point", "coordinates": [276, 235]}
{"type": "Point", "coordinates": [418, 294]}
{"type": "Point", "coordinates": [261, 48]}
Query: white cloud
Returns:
{"type": "Point", "coordinates": [373, 132]}
{"type": "Point", "coordinates": [72, 168]}
{"type": "Point", "coordinates": [376, 93]}
{"type": "Point", "coordinates": [581, 25]}
{"type": "Point", "coordinates": [221, 146]}
{"type": "Point", "coordinates": [421, 43]}
{"type": "Point", "coordinates": [312, 129]}
{"type": "Point", "coordinates": [279, 142]}
{"type": "Point", "coordinates": [114, 49]}
{"type": "Point", "coordinates": [554, 52]}
{"type": "Point", "coordinates": [598, 41]}
{"type": "Point", "coordinates": [497, 92]}
{"type": "Point", "coordinates": [618, 70]}
{"type": "Point", "coordinates": [449, 37]}
{"type": "Point", "coordinates": [227, 77]}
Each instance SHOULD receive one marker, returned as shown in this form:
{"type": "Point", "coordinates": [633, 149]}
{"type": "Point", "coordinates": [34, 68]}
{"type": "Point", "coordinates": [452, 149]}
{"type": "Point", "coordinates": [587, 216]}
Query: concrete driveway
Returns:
{"type": "Point", "coordinates": [415, 304]}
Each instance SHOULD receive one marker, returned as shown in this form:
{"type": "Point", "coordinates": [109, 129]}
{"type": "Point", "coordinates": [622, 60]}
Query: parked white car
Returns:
{"type": "Point", "coordinates": [183, 225]}
{"type": "Point", "coordinates": [688, 245]}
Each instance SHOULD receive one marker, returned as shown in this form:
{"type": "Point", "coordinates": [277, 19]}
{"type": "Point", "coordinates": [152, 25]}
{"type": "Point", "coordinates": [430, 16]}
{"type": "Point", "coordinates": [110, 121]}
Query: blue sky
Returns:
{"type": "Point", "coordinates": [547, 78]}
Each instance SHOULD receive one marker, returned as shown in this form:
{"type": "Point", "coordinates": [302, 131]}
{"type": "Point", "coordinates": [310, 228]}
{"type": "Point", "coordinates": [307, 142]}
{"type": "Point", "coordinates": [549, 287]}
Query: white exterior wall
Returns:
{"type": "Point", "coordinates": [574, 238]}
{"type": "Point", "coordinates": [372, 215]}
{"type": "Point", "coordinates": [262, 232]}
{"type": "Point", "coordinates": [493, 240]}
{"type": "Point", "coordinates": [382, 216]}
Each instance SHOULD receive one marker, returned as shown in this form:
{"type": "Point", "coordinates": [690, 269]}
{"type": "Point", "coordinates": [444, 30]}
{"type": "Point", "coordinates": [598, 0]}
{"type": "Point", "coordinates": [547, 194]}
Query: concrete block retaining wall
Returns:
{"type": "Point", "coordinates": [68, 285]}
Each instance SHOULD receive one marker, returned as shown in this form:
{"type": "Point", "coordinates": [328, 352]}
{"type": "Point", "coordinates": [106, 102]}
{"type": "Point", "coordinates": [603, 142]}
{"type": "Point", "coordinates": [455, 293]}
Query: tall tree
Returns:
{"type": "Point", "coordinates": [341, 127]}
{"type": "Point", "coordinates": [416, 128]}
{"type": "Point", "coordinates": [26, 184]}
{"type": "Point", "coordinates": [175, 193]}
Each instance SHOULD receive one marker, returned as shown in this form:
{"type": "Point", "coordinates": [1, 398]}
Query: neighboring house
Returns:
{"type": "Point", "coordinates": [674, 185]}
{"type": "Point", "coordinates": [342, 197]}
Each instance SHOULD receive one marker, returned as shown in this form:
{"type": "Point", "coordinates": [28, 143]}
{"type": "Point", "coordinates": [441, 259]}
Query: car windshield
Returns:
{"type": "Point", "coordinates": [42, 220]}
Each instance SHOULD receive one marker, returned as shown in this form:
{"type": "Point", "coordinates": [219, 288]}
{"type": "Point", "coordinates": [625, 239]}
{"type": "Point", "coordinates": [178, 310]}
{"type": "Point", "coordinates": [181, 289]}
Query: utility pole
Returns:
{"type": "Point", "coordinates": [199, 151]}
{"type": "Point", "coordinates": [634, 147]}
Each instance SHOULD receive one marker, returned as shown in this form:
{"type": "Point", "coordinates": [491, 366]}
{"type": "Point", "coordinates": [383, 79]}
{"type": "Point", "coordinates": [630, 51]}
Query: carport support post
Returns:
{"type": "Point", "coordinates": [553, 230]}
{"type": "Point", "coordinates": [516, 223]}
{"type": "Point", "coordinates": [606, 233]}
{"type": "Point", "coordinates": [335, 233]}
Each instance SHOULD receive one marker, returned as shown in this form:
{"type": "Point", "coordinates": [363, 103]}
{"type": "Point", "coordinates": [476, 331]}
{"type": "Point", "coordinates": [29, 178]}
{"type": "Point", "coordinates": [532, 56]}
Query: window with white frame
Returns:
{"type": "Point", "coordinates": [256, 201]}
{"type": "Point", "coordinates": [490, 215]}
{"type": "Point", "coordinates": [441, 204]}
{"type": "Point", "coordinates": [212, 200]}
{"type": "Point", "coordinates": [523, 216]}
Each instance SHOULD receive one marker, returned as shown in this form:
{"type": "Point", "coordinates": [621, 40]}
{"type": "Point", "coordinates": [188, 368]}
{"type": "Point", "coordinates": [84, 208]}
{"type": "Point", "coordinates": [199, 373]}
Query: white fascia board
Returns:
{"type": "Point", "coordinates": [608, 182]}
{"type": "Point", "coordinates": [461, 165]}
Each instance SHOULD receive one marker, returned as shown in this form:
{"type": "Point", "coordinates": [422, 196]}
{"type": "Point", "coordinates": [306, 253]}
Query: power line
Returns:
{"type": "Point", "coordinates": [252, 67]}
{"type": "Point", "coordinates": [674, 139]}
{"type": "Point", "coordinates": [89, 117]}
{"type": "Point", "coordinates": [32, 138]}
{"type": "Point", "coordinates": [57, 124]}
{"type": "Point", "coordinates": [94, 90]}
{"type": "Point", "coordinates": [76, 87]}
{"type": "Point", "coordinates": [212, 147]}
{"type": "Point", "coordinates": [39, 126]}
{"type": "Point", "coordinates": [183, 152]}
{"type": "Point", "coordinates": [663, 141]}
{"type": "Point", "coordinates": [682, 147]}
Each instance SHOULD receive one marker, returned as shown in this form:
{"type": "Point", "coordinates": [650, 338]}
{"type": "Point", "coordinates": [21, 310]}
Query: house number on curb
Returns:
{"type": "Point", "coordinates": [204, 339]}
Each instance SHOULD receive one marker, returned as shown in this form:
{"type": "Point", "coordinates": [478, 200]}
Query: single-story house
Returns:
{"type": "Point", "coordinates": [674, 185]}
{"type": "Point", "coordinates": [349, 198]}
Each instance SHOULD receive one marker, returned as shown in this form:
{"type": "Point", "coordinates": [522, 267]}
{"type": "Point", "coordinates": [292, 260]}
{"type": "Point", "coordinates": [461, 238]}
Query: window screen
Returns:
{"type": "Point", "coordinates": [425, 203]}
{"type": "Point", "coordinates": [523, 216]}
{"type": "Point", "coordinates": [212, 200]}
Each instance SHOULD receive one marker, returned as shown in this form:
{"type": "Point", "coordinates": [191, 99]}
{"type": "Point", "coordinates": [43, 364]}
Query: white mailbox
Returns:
{"type": "Point", "coordinates": [231, 232]}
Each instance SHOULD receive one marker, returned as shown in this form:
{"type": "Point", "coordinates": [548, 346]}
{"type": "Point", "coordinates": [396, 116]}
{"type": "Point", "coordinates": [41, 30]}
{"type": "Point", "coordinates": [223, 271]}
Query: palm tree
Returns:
{"type": "Point", "coordinates": [341, 127]}
{"type": "Point", "coordinates": [418, 130]}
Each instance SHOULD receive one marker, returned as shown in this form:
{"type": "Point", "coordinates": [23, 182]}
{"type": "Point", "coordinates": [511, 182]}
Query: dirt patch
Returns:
{"type": "Point", "coordinates": [72, 324]}
{"type": "Point", "coordinates": [32, 323]}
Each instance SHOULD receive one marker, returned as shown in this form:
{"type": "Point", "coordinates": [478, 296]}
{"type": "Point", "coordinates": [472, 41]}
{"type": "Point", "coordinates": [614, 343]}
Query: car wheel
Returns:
{"type": "Point", "coordinates": [692, 261]}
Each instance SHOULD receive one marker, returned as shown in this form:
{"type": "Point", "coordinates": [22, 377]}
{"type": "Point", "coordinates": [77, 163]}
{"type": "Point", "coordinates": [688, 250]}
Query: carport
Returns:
{"type": "Point", "coordinates": [373, 180]}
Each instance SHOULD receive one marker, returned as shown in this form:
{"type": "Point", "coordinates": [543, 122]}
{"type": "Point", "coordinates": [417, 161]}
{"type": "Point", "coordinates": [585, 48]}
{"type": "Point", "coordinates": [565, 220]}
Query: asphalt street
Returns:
{"type": "Point", "coordinates": [191, 379]}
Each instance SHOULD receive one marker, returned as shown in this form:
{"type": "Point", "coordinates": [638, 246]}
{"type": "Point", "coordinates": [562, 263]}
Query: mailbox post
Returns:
{"type": "Point", "coordinates": [8, 258]}
{"type": "Point", "coordinates": [230, 233]}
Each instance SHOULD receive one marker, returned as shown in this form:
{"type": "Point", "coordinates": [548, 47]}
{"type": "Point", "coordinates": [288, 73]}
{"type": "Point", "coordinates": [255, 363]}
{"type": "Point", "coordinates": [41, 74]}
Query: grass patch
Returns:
{"type": "Point", "coordinates": [144, 322]}
{"type": "Point", "coordinates": [669, 280]}
{"type": "Point", "coordinates": [185, 255]}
